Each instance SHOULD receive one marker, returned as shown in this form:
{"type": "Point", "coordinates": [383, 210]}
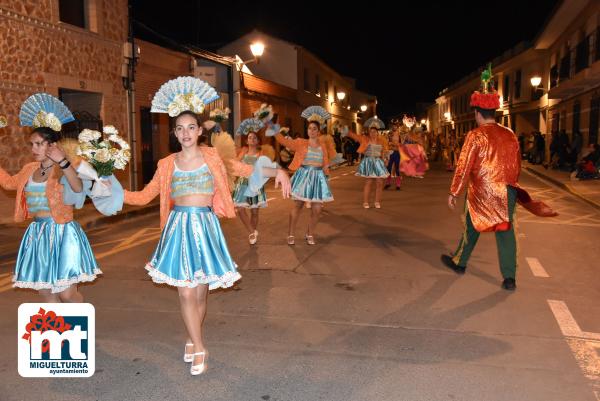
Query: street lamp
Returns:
{"type": "Point", "coordinates": [447, 116]}
{"type": "Point", "coordinates": [536, 81]}
{"type": "Point", "coordinates": [363, 108]}
{"type": "Point", "coordinates": [257, 49]}
{"type": "Point", "coordinates": [341, 95]}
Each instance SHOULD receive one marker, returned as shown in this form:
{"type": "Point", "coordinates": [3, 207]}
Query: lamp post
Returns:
{"type": "Point", "coordinates": [257, 49]}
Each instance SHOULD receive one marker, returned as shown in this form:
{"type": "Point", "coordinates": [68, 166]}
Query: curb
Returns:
{"type": "Point", "coordinates": [565, 187]}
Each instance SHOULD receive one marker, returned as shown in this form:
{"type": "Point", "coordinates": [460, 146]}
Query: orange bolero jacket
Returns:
{"type": "Point", "coordinates": [364, 142]}
{"type": "Point", "coordinates": [60, 212]}
{"type": "Point", "coordinates": [300, 148]}
{"type": "Point", "coordinates": [244, 151]}
{"type": "Point", "coordinates": [161, 184]}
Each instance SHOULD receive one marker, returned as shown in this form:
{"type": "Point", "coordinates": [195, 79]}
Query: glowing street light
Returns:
{"type": "Point", "coordinates": [257, 49]}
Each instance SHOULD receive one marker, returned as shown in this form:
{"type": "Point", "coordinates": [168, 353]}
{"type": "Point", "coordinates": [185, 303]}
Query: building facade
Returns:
{"type": "Point", "coordinates": [73, 51]}
{"type": "Point", "coordinates": [292, 78]}
{"type": "Point", "coordinates": [564, 56]}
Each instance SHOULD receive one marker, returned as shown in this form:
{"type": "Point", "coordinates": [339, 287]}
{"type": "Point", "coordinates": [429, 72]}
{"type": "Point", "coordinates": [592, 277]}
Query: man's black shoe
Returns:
{"type": "Point", "coordinates": [447, 260]}
{"type": "Point", "coordinates": [509, 284]}
{"type": "Point", "coordinates": [386, 186]}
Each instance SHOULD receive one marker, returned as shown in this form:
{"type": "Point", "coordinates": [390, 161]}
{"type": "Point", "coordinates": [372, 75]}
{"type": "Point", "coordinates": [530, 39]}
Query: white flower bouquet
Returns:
{"type": "Point", "coordinates": [100, 151]}
{"type": "Point", "coordinates": [101, 158]}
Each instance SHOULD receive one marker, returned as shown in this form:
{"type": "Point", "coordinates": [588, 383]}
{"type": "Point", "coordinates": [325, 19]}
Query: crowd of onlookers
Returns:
{"type": "Point", "coordinates": [566, 154]}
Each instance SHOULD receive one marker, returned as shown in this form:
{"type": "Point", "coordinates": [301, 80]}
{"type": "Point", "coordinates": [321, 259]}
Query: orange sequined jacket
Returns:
{"type": "Point", "coordinates": [489, 161]}
{"type": "Point", "coordinates": [60, 212]}
{"type": "Point", "coordinates": [364, 143]}
{"type": "Point", "coordinates": [160, 184]}
{"type": "Point", "coordinates": [300, 148]}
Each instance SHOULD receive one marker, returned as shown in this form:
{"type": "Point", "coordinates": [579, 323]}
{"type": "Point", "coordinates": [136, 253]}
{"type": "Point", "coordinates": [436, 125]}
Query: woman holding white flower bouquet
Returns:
{"type": "Point", "coordinates": [192, 253]}
{"type": "Point", "coordinates": [55, 253]}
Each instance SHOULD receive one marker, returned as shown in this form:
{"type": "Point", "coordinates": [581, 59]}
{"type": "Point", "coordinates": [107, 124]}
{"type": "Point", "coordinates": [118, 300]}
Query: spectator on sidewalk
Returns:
{"type": "Point", "coordinates": [576, 146]}
{"type": "Point", "coordinates": [348, 145]}
{"type": "Point", "coordinates": [522, 143]}
{"type": "Point", "coordinates": [540, 145]}
{"type": "Point", "coordinates": [564, 149]}
{"type": "Point", "coordinates": [588, 167]}
{"type": "Point", "coordinates": [553, 150]}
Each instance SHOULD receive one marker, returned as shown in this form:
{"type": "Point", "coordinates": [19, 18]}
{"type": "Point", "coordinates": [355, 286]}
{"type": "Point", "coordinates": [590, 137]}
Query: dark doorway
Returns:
{"type": "Point", "coordinates": [148, 162]}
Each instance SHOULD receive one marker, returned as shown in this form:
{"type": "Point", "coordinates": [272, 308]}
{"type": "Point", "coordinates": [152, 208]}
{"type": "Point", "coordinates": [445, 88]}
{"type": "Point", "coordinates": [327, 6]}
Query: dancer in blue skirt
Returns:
{"type": "Point", "coordinates": [55, 254]}
{"type": "Point", "coordinates": [374, 148]}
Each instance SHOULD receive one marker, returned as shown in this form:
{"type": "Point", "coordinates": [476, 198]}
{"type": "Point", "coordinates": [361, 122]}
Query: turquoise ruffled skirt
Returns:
{"type": "Point", "coordinates": [241, 200]}
{"type": "Point", "coordinates": [54, 256]}
{"type": "Point", "coordinates": [309, 184]}
{"type": "Point", "coordinates": [192, 250]}
{"type": "Point", "coordinates": [372, 167]}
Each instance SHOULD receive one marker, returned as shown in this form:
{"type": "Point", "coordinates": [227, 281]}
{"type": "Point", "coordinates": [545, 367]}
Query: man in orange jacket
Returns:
{"type": "Point", "coordinates": [489, 166]}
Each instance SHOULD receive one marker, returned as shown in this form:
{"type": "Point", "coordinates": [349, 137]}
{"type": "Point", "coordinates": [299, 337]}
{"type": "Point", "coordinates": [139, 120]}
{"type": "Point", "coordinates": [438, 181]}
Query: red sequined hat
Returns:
{"type": "Point", "coordinates": [487, 97]}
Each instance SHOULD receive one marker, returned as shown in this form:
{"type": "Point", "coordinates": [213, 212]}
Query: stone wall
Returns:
{"type": "Point", "coordinates": [38, 53]}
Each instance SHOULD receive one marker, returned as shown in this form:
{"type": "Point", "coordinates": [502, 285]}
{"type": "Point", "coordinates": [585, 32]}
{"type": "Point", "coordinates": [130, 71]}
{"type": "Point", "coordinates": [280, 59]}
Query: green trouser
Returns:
{"type": "Point", "coordinates": [505, 241]}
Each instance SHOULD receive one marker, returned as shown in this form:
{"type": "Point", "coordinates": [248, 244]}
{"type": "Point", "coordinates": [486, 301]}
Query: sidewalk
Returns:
{"type": "Point", "coordinates": [588, 190]}
{"type": "Point", "coordinates": [87, 216]}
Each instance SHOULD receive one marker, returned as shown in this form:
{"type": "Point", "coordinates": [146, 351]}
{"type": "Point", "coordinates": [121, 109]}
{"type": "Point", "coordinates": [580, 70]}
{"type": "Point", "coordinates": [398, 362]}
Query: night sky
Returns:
{"type": "Point", "coordinates": [402, 57]}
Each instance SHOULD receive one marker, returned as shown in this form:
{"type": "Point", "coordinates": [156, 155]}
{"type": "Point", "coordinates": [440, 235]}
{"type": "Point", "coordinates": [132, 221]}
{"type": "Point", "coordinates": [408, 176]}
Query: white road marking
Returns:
{"type": "Point", "coordinates": [536, 267]}
{"type": "Point", "coordinates": [584, 345]}
{"type": "Point", "coordinates": [334, 178]}
{"type": "Point", "coordinates": [567, 323]}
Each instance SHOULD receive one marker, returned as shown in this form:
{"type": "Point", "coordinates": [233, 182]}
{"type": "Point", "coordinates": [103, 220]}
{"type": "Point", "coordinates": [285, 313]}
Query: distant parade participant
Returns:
{"type": "Point", "coordinates": [393, 166]}
{"type": "Point", "coordinates": [374, 148]}
{"type": "Point", "coordinates": [311, 165]}
{"type": "Point", "coordinates": [412, 153]}
{"type": "Point", "coordinates": [489, 166]}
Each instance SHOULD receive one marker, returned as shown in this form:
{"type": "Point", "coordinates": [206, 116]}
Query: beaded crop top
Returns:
{"type": "Point", "coordinates": [314, 157]}
{"type": "Point", "coordinates": [194, 182]}
{"type": "Point", "coordinates": [373, 150]}
{"type": "Point", "coordinates": [35, 195]}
